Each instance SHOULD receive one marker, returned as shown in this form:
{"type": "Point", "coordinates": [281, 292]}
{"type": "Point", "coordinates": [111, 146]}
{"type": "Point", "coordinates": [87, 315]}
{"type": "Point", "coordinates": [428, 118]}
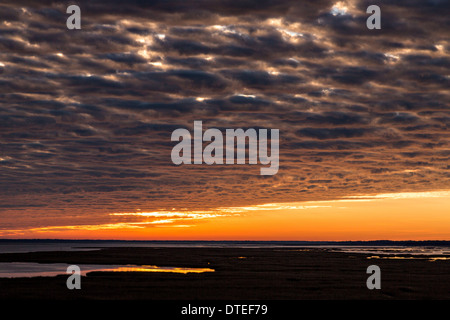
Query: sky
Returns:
{"type": "Point", "coordinates": [86, 118]}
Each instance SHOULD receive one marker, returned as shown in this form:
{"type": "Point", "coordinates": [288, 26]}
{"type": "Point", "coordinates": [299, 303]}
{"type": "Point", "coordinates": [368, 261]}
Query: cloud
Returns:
{"type": "Point", "coordinates": [335, 133]}
{"type": "Point", "coordinates": [86, 115]}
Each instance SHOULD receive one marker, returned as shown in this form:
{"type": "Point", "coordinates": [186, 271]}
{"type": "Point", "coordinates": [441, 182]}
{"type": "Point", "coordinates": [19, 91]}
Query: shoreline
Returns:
{"type": "Point", "coordinates": [240, 274]}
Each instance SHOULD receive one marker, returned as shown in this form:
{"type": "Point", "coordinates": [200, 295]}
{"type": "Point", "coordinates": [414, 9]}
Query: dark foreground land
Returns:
{"type": "Point", "coordinates": [240, 274]}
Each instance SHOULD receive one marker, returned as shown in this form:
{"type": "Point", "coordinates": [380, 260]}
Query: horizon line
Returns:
{"type": "Point", "coordinates": [154, 240]}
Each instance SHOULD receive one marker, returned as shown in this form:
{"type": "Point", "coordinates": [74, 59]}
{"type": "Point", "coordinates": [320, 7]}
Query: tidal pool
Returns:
{"type": "Point", "coordinates": [34, 269]}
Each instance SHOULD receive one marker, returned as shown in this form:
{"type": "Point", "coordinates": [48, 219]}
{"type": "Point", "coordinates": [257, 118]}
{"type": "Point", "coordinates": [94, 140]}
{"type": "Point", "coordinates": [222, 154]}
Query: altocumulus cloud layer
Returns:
{"type": "Point", "coordinates": [86, 115]}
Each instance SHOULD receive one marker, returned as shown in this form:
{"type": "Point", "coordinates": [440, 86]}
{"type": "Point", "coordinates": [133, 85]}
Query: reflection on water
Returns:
{"type": "Point", "coordinates": [410, 258]}
{"type": "Point", "coordinates": [439, 258]}
{"type": "Point", "coordinates": [428, 253]}
{"type": "Point", "coordinates": [33, 269]}
{"type": "Point", "coordinates": [399, 250]}
{"type": "Point", "coordinates": [157, 269]}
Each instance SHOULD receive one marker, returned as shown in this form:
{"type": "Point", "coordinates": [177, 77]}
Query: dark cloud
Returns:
{"type": "Point", "coordinates": [86, 115]}
{"type": "Point", "coordinates": [335, 133]}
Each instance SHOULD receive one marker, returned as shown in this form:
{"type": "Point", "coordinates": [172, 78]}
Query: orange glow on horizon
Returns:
{"type": "Point", "coordinates": [401, 216]}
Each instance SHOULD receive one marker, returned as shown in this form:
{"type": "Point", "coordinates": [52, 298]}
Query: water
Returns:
{"type": "Point", "coordinates": [24, 246]}
{"type": "Point", "coordinates": [381, 250]}
{"type": "Point", "coordinates": [42, 247]}
{"type": "Point", "coordinates": [397, 250]}
{"type": "Point", "coordinates": [430, 253]}
{"type": "Point", "coordinates": [372, 247]}
{"type": "Point", "coordinates": [33, 269]}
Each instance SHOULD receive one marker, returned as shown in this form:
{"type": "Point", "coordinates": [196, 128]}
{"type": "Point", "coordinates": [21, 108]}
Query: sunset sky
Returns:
{"type": "Point", "coordinates": [86, 118]}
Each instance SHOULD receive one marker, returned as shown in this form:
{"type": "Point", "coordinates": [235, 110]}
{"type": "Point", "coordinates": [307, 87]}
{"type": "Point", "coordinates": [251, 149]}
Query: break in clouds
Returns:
{"type": "Point", "coordinates": [86, 115]}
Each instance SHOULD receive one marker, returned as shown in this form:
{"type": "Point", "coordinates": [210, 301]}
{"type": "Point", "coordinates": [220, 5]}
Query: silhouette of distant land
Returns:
{"type": "Point", "coordinates": [245, 242]}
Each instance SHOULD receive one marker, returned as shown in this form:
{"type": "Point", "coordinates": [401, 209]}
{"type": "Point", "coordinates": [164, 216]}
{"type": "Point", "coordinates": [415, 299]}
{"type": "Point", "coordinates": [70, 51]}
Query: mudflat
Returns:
{"type": "Point", "coordinates": [240, 274]}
